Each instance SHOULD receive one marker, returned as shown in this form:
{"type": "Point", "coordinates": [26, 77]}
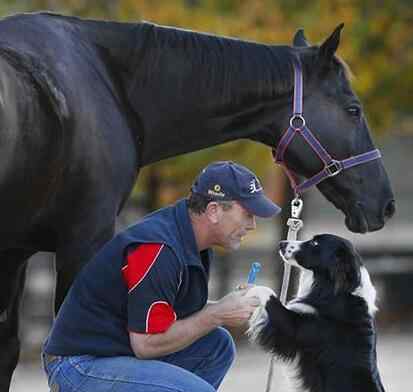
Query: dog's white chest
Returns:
{"type": "Point", "coordinates": [285, 378]}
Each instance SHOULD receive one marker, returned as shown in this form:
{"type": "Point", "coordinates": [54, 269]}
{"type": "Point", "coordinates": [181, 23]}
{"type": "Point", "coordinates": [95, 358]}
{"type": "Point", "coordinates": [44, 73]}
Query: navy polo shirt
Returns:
{"type": "Point", "coordinates": [143, 280]}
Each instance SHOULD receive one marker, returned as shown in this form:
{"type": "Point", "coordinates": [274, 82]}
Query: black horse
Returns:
{"type": "Point", "coordinates": [85, 104]}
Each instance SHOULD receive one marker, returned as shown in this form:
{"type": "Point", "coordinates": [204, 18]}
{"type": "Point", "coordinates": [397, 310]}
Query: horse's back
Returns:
{"type": "Point", "coordinates": [45, 31]}
{"type": "Point", "coordinates": [98, 132]}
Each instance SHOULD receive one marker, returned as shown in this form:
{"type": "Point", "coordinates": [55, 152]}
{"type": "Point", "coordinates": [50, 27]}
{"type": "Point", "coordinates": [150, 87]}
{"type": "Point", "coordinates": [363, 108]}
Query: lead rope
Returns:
{"type": "Point", "coordinates": [294, 226]}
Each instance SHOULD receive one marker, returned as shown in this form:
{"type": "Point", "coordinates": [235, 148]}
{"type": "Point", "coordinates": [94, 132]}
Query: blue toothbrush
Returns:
{"type": "Point", "coordinates": [252, 275]}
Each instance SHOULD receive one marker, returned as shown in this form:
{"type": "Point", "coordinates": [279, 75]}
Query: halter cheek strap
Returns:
{"type": "Point", "coordinates": [332, 167]}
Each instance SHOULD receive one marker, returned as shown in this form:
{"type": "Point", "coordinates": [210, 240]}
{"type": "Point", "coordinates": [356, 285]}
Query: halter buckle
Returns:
{"type": "Point", "coordinates": [333, 168]}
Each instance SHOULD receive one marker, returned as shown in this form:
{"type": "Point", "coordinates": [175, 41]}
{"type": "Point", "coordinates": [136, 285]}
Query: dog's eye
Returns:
{"type": "Point", "coordinates": [314, 243]}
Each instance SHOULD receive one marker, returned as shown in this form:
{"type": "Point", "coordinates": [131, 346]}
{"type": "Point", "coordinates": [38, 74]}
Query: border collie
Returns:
{"type": "Point", "coordinates": [328, 329]}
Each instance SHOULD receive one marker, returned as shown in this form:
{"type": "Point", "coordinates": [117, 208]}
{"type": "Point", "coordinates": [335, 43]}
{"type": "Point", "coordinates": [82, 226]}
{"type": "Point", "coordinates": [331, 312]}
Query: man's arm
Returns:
{"type": "Point", "coordinates": [233, 310]}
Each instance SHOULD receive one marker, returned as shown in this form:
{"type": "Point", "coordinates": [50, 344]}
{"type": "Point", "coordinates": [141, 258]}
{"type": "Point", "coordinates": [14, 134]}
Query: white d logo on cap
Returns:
{"type": "Point", "coordinates": [255, 186]}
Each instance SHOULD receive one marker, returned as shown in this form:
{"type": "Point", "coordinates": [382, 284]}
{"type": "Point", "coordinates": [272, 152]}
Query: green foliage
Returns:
{"type": "Point", "coordinates": [12, 6]}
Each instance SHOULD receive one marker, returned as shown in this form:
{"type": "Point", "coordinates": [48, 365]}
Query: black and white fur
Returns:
{"type": "Point", "coordinates": [328, 329]}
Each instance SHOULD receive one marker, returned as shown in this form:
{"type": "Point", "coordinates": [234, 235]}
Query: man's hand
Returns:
{"type": "Point", "coordinates": [233, 310]}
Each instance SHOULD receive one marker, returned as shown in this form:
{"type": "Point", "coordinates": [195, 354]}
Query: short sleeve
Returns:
{"type": "Point", "coordinates": [152, 274]}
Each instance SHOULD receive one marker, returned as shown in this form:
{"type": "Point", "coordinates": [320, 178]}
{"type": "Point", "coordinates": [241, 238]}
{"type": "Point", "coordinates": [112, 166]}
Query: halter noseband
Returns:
{"type": "Point", "coordinates": [332, 167]}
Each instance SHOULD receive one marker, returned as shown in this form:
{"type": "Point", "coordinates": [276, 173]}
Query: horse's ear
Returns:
{"type": "Point", "coordinates": [330, 45]}
{"type": "Point", "coordinates": [299, 39]}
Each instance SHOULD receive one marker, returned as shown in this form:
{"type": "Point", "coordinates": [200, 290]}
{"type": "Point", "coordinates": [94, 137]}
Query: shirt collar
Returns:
{"type": "Point", "coordinates": [187, 235]}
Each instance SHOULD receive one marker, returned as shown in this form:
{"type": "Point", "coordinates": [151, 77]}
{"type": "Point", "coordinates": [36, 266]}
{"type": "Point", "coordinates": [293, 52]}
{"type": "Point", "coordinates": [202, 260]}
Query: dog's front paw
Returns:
{"type": "Point", "coordinates": [262, 292]}
{"type": "Point", "coordinates": [259, 318]}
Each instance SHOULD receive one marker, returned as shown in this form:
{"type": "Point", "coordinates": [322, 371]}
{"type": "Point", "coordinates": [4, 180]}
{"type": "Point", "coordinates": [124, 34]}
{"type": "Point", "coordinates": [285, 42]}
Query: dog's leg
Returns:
{"type": "Point", "coordinates": [259, 317]}
{"type": "Point", "coordinates": [279, 329]}
{"type": "Point", "coordinates": [279, 333]}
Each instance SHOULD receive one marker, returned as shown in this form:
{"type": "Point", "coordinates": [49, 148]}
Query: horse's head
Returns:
{"type": "Point", "coordinates": [333, 113]}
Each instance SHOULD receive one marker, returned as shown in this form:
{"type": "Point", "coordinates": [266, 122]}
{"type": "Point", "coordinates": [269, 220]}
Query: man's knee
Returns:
{"type": "Point", "coordinates": [224, 345]}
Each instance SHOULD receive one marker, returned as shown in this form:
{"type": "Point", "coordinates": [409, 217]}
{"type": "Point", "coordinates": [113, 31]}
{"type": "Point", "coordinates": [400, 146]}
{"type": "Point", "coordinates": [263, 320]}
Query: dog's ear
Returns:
{"type": "Point", "coordinates": [346, 271]}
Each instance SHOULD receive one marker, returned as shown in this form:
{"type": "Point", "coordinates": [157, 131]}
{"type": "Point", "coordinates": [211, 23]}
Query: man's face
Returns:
{"type": "Point", "coordinates": [234, 223]}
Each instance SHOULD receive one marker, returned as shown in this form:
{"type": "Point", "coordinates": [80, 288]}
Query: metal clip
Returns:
{"type": "Point", "coordinates": [295, 224]}
{"type": "Point", "coordinates": [296, 207]}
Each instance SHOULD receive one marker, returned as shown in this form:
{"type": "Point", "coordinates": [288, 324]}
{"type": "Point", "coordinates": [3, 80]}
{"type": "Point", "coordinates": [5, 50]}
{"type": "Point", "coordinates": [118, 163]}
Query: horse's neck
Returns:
{"type": "Point", "coordinates": [193, 90]}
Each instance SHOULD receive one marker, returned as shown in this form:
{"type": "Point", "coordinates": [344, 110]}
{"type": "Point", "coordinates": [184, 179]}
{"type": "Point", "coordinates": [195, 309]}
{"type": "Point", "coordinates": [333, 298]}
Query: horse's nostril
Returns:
{"type": "Point", "coordinates": [389, 210]}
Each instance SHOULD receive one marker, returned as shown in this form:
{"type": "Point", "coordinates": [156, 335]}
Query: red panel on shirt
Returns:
{"type": "Point", "coordinates": [139, 262]}
{"type": "Point", "coordinates": [160, 317]}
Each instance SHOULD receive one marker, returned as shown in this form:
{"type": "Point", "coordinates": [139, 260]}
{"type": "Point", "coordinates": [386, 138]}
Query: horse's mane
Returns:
{"type": "Point", "coordinates": [348, 73]}
{"type": "Point", "coordinates": [223, 68]}
{"type": "Point", "coordinates": [220, 63]}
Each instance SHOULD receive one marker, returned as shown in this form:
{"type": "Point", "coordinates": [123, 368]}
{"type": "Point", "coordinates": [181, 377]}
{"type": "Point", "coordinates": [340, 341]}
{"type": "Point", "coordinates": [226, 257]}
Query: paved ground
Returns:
{"type": "Point", "coordinates": [249, 373]}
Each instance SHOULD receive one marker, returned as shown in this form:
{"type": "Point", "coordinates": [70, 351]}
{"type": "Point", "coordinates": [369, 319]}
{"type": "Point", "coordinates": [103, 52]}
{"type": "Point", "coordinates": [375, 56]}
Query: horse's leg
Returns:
{"type": "Point", "coordinates": [74, 251]}
{"type": "Point", "coordinates": [12, 277]}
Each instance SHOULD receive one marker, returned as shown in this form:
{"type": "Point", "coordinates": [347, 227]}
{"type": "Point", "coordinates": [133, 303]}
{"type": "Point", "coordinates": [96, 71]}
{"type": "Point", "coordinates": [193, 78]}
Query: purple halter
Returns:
{"type": "Point", "coordinates": [332, 167]}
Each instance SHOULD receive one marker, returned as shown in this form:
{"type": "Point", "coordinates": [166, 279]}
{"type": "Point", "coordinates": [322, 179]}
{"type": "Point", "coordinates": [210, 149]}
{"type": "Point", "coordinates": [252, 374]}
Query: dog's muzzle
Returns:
{"type": "Point", "coordinates": [288, 250]}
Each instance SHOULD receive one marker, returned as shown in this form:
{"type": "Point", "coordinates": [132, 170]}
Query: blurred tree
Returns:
{"type": "Point", "coordinates": [12, 6]}
{"type": "Point", "coordinates": [96, 9]}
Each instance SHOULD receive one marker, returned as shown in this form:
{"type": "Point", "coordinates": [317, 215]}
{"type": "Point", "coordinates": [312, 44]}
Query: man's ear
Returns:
{"type": "Point", "coordinates": [213, 212]}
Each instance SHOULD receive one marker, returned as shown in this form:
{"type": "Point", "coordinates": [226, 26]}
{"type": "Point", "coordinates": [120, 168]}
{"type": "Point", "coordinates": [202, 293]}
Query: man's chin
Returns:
{"type": "Point", "coordinates": [233, 246]}
{"type": "Point", "coordinates": [230, 246]}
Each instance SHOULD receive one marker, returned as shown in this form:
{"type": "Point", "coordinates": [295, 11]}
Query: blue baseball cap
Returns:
{"type": "Point", "coordinates": [227, 180]}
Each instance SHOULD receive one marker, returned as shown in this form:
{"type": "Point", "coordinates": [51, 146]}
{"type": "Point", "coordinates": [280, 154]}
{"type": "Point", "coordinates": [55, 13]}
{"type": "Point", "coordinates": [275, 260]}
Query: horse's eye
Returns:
{"type": "Point", "coordinates": [314, 243]}
{"type": "Point", "coordinates": [354, 111]}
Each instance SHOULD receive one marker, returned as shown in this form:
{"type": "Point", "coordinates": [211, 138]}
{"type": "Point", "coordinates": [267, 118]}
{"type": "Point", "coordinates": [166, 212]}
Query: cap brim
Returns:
{"type": "Point", "coordinates": [261, 206]}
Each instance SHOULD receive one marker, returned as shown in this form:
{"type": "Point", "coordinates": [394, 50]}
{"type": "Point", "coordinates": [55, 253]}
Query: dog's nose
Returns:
{"type": "Point", "coordinates": [282, 245]}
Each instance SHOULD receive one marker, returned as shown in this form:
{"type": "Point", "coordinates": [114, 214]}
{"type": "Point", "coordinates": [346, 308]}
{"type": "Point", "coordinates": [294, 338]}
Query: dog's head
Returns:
{"type": "Point", "coordinates": [332, 259]}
